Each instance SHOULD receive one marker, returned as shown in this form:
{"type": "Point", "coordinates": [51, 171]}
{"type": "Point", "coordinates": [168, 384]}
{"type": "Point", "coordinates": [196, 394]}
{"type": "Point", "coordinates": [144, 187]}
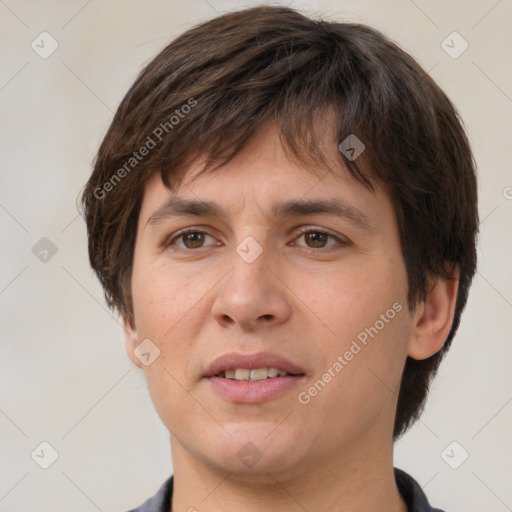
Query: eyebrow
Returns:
{"type": "Point", "coordinates": [179, 207]}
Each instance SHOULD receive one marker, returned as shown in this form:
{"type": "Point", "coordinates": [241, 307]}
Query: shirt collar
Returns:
{"type": "Point", "coordinates": [410, 490]}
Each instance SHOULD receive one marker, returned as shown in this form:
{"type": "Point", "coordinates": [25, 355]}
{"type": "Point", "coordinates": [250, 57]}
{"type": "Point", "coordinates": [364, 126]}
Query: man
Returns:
{"type": "Point", "coordinates": [284, 212]}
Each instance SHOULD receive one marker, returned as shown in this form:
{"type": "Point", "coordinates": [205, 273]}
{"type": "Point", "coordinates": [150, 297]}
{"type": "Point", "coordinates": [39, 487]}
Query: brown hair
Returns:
{"type": "Point", "coordinates": [211, 89]}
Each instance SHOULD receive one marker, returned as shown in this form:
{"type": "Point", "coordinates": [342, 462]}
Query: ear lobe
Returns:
{"type": "Point", "coordinates": [131, 340]}
{"type": "Point", "coordinates": [433, 318]}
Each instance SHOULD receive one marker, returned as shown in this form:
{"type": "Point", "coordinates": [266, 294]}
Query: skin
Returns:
{"type": "Point", "coordinates": [301, 299]}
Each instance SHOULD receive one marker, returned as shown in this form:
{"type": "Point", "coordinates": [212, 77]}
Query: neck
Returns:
{"type": "Point", "coordinates": [342, 483]}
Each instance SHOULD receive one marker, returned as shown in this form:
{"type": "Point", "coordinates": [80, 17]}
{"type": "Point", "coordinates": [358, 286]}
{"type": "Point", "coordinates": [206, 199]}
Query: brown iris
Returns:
{"type": "Point", "coordinates": [317, 239]}
{"type": "Point", "coordinates": [196, 240]}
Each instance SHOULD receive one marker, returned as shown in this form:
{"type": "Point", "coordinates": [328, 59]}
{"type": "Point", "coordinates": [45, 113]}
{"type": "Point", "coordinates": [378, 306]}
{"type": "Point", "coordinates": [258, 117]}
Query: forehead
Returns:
{"type": "Point", "coordinates": [262, 175]}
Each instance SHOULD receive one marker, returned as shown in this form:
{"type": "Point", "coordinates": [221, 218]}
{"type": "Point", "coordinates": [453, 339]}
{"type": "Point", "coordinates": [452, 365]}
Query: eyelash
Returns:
{"type": "Point", "coordinates": [302, 231]}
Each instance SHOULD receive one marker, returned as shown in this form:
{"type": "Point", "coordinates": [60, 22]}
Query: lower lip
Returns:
{"type": "Point", "coordinates": [246, 392]}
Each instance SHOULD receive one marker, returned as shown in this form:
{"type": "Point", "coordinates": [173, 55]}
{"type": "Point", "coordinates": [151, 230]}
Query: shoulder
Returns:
{"type": "Point", "coordinates": [412, 493]}
{"type": "Point", "coordinates": [409, 489]}
{"type": "Point", "coordinates": [161, 501]}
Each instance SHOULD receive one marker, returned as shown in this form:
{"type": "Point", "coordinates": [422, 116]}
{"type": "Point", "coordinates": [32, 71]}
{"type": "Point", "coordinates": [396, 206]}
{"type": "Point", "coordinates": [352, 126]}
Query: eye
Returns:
{"type": "Point", "coordinates": [190, 239]}
{"type": "Point", "coordinates": [194, 238]}
{"type": "Point", "coordinates": [316, 238]}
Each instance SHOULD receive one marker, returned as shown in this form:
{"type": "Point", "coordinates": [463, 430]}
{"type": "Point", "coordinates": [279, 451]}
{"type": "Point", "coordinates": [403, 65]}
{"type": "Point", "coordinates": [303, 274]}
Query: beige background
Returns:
{"type": "Point", "coordinates": [64, 377]}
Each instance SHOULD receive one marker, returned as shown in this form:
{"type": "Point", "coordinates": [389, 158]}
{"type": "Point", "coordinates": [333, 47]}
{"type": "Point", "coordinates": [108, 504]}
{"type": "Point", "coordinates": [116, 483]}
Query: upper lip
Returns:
{"type": "Point", "coordinates": [234, 360]}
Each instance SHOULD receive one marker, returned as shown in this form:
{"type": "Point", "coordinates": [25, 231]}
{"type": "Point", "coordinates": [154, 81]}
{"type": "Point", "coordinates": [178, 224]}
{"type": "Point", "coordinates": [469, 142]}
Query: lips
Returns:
{"type": "Point", "coordinates": [231, 377]}
{"type": "Point", "coordinates": [233, 361]}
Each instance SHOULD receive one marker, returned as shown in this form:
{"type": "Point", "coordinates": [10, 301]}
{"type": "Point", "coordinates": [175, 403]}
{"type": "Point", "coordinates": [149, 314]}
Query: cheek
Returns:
{"type": "Point", "coordinates": [171, 308]}
{"type": "Point", "coordinates": [354, 298]}
{"type": "Point", "coordinates": [360, 372]}
{"type": "Point", "coordinates": [367, 316]}
{"type": "Point", "coordinates": [162, 297]}
{"type": "Point", "coordinates": [166, 311]}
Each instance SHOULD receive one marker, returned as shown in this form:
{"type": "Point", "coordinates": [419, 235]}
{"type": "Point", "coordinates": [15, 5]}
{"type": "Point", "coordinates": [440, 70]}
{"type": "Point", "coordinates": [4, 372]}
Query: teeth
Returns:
{"type": "Point", "coordinates": [241, 374]}
{"type": "Point", "coordinates": [254, 375]}
{"type": "Point", "coordinates": [259, 374]}
{"type": "Point", "coordinates": [272, 372]}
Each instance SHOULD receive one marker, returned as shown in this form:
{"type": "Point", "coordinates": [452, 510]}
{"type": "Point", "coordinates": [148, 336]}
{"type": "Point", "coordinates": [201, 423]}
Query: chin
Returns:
{"type": "Point", "coordinates": [252, 452]}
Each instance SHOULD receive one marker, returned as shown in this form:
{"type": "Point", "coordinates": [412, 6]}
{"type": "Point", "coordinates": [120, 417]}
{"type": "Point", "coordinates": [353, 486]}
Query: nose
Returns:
{"type": "Point", "coordinates": [253, 295]}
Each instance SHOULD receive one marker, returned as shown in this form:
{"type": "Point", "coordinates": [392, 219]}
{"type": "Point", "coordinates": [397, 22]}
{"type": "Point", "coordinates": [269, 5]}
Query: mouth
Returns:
{"type": "Point", "coordinates": [258, 374]}
{"type": "Point", "coordinates": [246, 378]}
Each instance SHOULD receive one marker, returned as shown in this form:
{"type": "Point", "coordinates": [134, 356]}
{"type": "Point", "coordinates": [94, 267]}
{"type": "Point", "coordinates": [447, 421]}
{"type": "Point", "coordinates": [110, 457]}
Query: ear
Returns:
{"type": "Point", "coordinates": [433, 318]}
{"type": "Point", "coordinates": [131, 340]}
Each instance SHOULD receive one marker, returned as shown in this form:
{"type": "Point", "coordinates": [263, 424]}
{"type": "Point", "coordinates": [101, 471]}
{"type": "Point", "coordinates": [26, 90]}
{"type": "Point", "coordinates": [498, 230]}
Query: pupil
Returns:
{"type": "Point", "coordinates": [195, 239]}
{"type": "Point", "coordinates": [318, 239]}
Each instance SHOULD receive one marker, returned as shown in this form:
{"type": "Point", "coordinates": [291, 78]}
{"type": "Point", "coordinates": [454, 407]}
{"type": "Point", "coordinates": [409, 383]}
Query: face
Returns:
{"type": "Point", "coordinates": [319, 294]}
